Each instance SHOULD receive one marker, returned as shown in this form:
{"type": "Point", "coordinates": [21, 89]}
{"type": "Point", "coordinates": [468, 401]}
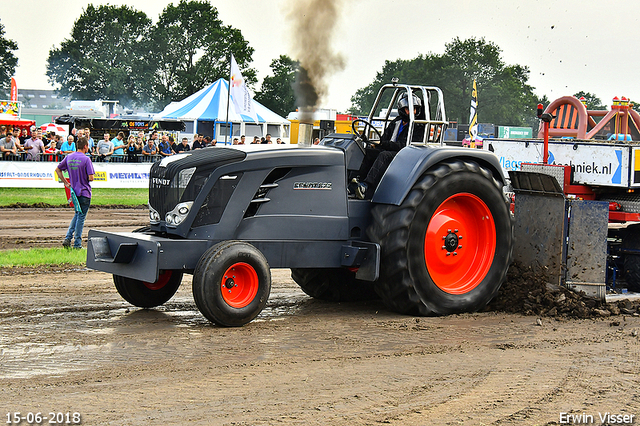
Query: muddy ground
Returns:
{"type": "Point", "coordinates": [69, 343]}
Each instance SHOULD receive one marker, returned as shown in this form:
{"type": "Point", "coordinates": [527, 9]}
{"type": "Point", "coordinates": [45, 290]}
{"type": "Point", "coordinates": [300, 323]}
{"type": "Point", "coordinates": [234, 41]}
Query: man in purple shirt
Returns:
{"type": "Point", "coordinates": [81, 172]}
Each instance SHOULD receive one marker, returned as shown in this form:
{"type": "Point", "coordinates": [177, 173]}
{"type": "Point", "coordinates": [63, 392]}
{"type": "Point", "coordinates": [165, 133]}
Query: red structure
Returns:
{"type": "Point", "coordinates": [572, 119]}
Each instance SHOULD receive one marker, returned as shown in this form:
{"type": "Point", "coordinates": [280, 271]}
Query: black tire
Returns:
{"type": "Point", "coordinates": [631, 240]}
{"type": "Point", "coordinates": [407, 284]}
{"type": "Point", "coordinates": [231, 300]}
{"type": "Point", "coordinates": [148, 295]}
{"type": "Point", "coordinates": [335, 285]}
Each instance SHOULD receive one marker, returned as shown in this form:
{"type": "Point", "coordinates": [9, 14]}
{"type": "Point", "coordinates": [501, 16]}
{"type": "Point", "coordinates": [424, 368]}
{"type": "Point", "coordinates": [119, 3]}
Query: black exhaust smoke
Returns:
{"type": "Point", "coordinates": [313, 25]}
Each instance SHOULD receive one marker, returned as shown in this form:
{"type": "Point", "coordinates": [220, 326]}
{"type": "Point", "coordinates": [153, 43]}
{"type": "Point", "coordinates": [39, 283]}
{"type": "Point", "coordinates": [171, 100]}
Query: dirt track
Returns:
{"type": "Point", "coordinates": [69, 343]}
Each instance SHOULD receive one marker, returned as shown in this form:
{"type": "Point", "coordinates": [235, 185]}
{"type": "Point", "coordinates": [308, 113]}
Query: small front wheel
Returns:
{"type": "Point", "coordinates": [231, 283]}
{"type": "Point", "coordinates": [149, 295]}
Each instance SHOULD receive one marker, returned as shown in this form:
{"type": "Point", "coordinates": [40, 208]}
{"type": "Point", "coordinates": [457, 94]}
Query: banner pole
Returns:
{"type": "Point", "coordinates": [228, 99]}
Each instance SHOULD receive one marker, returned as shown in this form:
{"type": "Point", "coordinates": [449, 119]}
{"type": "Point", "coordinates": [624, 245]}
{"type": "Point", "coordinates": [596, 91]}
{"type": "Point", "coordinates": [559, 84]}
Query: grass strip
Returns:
{"type": "Point", "coordinates": [42, 256]}
{"type": "Point", "coordinates": [56, 196]}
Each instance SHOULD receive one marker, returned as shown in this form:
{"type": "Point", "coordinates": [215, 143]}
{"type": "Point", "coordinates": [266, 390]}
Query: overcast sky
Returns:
{"type": "Point", "coordinates": [568, 45]}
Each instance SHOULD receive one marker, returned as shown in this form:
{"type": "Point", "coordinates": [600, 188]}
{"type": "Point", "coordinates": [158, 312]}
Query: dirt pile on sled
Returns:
{"type": "Point", "coordinates": [528, 293]}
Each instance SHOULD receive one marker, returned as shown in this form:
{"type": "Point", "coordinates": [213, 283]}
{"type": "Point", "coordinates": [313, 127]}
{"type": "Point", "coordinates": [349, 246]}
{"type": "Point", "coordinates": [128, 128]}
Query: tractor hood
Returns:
{"type": "Point", "coordinates": [175, 181]}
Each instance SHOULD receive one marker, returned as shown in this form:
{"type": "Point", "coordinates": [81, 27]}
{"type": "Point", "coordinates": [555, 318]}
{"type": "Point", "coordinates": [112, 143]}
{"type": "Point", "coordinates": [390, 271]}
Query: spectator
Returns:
{"type": "Point", "coordinates": [51, 149]}
{"type": "Point", "coordinates": [211, 142]}
{"type": "Point", "coordinates": [80, 174]}
{"type": "Point", "coordinates": [149, 149]}
{"type": "Point", "coordinates": [8, 147]}
{"type": "Point", "coordinates": [242, 138]}
{"type": "Point", "coordinates": [24, 136]}
{"type": "Point", "coordinates": [104, 150]}
{"type": "Point", "coordinates": [154, 138]}
{"type": "Point", "coordinates": [91, 143]}
{"type": "Point", "coordinates": [68, 147]}
{"type": "Point", "coordinates": [118, 144]}
{"type": "Point", "coordinates": [196, 143]}
{"type": "Point", "coordinates": [3, 132]}
{"type": "Point", "coordinates": [268, 139]}
{"type": "Point", "coordinates": [34, 145]}
{"type": "Point", "coordinates": [207, 141]}
{"type": "Point", "coordinates": [279, 141]}
{"type": "Point", "coordinates": [16, 139]}
{"type": "Point", "coordinates": [183, 146]}
{"type": "Point", "coordinates": [134, 149]}
{"type": "Point", "coordinates": [141, 136]}
{"type": "Point", "coordinates": [316, 141]}
{"type": "Point", "coordinates": [165, 148]}
{"type": "Point", "coordinates": [263, 140]}
{"type": "Point", "coordinates": [256, 140]}
{"type": "Point", "coordinates": [235, 141]}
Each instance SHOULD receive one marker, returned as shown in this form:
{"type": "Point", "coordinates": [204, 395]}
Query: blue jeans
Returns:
{"type": "Point", "coordinates": [77, 223]}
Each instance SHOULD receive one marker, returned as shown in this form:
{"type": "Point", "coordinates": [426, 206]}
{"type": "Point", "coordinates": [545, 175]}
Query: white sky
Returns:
{"type": "Point", "coordinates": [568, 45]}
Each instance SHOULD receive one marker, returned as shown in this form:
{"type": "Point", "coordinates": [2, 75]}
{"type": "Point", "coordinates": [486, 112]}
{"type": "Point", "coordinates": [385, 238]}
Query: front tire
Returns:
{"type": "Point", "coordinates": [149, 295]}
{"type": "Point", "coordinates": [446, 249]}
{"type": "Point", "coordinates": [231, 283]}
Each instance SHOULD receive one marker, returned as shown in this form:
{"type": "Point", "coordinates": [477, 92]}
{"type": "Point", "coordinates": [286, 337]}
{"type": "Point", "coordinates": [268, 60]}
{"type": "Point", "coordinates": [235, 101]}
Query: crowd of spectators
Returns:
{"type": "Point", "coordinates": [32, 145]}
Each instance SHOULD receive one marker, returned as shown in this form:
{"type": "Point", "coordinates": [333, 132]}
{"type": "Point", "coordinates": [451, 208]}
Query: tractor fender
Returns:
{"type": "Point", "coordinates": [412, 162]}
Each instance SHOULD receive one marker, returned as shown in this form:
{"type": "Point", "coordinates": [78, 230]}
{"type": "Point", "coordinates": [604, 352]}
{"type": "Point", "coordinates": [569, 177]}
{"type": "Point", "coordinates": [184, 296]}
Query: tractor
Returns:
{"type": "Point", "coordinates": [435, 238]}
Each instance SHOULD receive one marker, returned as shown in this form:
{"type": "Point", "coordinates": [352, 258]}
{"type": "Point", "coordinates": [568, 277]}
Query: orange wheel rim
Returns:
{"type": "Point", "coordinates": [239, 285]}
{"type": "Point", "coordinates": [163, 279]}
{"type": "Point", "coordinates": [460, 243]}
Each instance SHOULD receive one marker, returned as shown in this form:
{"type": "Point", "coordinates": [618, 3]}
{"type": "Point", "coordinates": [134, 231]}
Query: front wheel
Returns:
{"type": "Point", "coordinates": [148, 295]}
{"type": "Point", "coordinates": [231, 283]}
{"type": "Point", "coordinates": [446, 249]}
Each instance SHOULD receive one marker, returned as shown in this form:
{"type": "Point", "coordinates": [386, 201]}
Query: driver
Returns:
{"type": "Point", "coordinates": [378, 156]}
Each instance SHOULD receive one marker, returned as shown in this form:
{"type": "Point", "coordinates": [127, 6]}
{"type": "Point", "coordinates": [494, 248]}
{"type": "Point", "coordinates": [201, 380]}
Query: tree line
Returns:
{"type": "Point", "coordinates": [118, 53]}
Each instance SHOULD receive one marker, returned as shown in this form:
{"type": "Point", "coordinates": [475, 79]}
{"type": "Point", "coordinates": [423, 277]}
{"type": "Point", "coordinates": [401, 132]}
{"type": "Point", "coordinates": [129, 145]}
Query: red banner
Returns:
{"type": "Point", "coordinates": [14, 90]}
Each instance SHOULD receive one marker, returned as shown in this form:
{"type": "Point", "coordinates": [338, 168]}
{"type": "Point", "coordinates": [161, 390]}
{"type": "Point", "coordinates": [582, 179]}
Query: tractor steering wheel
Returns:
{"type": "Point", "coordinates": [363, 135]}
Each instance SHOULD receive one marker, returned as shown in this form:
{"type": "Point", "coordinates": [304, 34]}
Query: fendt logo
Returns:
{"type": "Point", "coordinates": [161, 182]}
{"type": "Point", "coordinates": [312, 185]}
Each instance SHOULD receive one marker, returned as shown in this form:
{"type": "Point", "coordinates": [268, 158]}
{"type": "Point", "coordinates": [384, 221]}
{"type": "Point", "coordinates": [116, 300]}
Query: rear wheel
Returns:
{"type": "Point", "coordinates": [447, 247]}
{"type": "Point", "coordinates": [231, 283]}
{"type": "Point", "coordinates": [148, 295]}
{"type": "Point", "coordinates": [336, 285]}
{"type": "Point", "coordinates": [632, 261]}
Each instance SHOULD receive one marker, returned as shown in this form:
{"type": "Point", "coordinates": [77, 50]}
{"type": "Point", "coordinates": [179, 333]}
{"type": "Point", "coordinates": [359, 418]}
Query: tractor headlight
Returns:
{"type": "Point", "coordinates": [178, 214]}
{"type": "Point", "coordinates": [154, 216]}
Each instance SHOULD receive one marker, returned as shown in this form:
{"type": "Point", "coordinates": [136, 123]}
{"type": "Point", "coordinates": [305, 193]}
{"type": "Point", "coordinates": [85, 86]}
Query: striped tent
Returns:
{"type": "Point", "coordinates": [210, 104]}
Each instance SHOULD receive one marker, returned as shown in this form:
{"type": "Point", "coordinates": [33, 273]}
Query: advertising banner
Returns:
{"type": "Point", "coordinates": [591, 163]}
{"type": "Point", "coordinates": [33, 174]}
{"type": "Point", "coordinates": [506, 132]}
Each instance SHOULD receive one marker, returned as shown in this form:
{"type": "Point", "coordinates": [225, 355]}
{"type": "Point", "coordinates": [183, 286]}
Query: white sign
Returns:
{"type": "Point", "coordinates": [36, 174]}
{"type": "Point", "coordinates": [591, 163]}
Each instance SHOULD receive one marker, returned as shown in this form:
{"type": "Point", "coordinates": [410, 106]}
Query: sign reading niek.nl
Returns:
{"type": "Point", "coordinates": [29, 174]}
{"type": "Point", "coordinates": [592, 164]}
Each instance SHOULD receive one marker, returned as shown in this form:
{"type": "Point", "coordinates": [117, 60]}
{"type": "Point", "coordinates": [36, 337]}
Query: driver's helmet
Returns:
{"type": "Point", "coordinates": [403, 103]}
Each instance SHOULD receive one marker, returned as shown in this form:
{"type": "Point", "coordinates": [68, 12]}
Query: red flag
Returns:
{"type": "Point", "coordinates": [14, 90]}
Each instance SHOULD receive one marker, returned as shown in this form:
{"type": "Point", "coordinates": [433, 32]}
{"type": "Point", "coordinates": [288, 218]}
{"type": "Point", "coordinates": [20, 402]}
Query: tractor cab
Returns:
{"type": "Point", "coordinates": [427, 117]}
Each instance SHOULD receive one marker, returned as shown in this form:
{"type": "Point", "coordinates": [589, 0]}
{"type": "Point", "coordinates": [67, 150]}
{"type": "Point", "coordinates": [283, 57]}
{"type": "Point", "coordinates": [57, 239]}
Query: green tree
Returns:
{"type": "Point", "coordinates": [104, 58]}
{"type": "Point", "coordinates": [504, 95]}
{"type": "Point", "coordinates": [593, 102]}
{"type": "Point", "coordinates": [8, 61]}
{"type": "Point", "coordinates": [191, 48]}
{"type": "Point", "coordinates": [276, 92]}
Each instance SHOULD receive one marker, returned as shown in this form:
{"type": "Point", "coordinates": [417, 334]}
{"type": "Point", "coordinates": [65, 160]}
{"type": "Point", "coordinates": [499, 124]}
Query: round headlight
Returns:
{"type": "Point", "coordinates": [183, 210]}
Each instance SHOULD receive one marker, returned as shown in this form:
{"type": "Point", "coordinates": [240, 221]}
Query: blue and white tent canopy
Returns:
{"type": "Point", "coordinates": [210, 104]}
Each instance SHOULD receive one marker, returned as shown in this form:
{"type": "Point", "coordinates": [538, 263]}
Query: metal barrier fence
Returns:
{"type": "Point", "coordinates": [114, 158]}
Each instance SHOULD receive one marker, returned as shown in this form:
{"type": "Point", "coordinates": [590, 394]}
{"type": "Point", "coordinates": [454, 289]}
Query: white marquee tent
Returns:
{"type": "Point", "coordinates": [205, 112]}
